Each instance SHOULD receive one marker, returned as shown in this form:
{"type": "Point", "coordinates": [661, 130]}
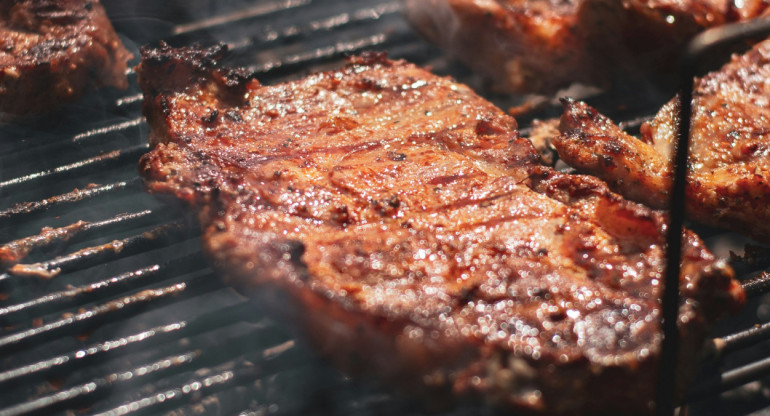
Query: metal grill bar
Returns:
{"type": "Point", "coordinates": [79, 395]}
{"type": "Point", "coordinates": [158, 237]}
{"type": "Point", "coordinates": [333, 23]}
{"type": "Point", "coordinates": [258, 367]}
{"type": "Point", "coordinates": [113, 310]}
{"type": "Point", "coordinates": [730, 379]}
{"type": "Point", "coordinates": [79, 168]}
{"type": "Point", "coordinates": [100, 290]}
{"type": "Point", "coordinates": [757, 285]}
{"type": "Point", "coordinates": [15, 251]}
{"type": "Point", "coordinates": [23, 211]}
{"type": "Point", "coordinates": [738, 340]}
{"type": "Point", "coordinates": [260, 10]}
{"type": "Point", "coordinates": [165, 367]}
{"type": "Point", "coordinates": [129, 100]}
{"type": "Point", "coordinates": [112, 128]}
{"type": "Point", "coordinates": [293, 63]}
{"type": "Point", "coordinates": [22, 155]}
{"type": "Point", "coordinates": [146, 339]}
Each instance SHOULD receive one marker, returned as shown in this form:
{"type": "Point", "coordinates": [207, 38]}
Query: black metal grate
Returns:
{"type": "Point", "coordinates": [110, 310]}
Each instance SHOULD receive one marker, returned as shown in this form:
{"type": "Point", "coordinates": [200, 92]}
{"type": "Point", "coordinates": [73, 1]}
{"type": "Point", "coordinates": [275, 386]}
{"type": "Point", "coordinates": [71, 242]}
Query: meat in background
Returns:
{"type": "Point", "coordinates": [541, 46]}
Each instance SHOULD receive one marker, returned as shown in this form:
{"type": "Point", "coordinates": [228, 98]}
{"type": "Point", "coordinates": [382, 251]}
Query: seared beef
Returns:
{"type": "Point", "coordinates": [400, 220]}
{"type": "Point", "coordinates": [729, 165]}
{"type": "Point", "coordinates": [51, 51]}
{"type": "Point", "coordinates": [542, 45]}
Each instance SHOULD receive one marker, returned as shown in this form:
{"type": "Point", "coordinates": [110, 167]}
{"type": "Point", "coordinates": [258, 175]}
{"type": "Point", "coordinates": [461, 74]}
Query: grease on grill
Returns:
{"type": "Point", "coordinates": [48, 270]}
{"type": "Point", "coordinates": [89, 192]}
{"type": "Point", "coordinates": [15, 251]}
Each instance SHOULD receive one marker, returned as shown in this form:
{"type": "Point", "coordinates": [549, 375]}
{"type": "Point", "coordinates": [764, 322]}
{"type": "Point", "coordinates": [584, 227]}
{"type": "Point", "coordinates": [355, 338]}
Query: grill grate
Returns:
{"type": "Point", "coordinates": [110, 309]}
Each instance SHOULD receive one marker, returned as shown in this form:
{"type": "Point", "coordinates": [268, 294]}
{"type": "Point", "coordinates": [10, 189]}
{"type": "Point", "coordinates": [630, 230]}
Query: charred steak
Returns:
{"type": "Point", "coordinates": [729, 165]}
{"type": "Point", "coordinates": [542, 45]}
{"type": "Point", "coordinates": [401, 221]}
{"type": "Point", "coordinates": [51, 51]}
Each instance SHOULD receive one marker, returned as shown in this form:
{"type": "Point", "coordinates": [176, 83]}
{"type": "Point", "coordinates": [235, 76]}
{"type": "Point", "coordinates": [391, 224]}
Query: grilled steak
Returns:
{"type": "Point", "coordinates": [53, 51]}
{"type": "Point", "coordinates": [729, 165]}
{"type": "Point", "coordinates": [401, 221]}
{"type": "Point", "coordinates": [543, 45]}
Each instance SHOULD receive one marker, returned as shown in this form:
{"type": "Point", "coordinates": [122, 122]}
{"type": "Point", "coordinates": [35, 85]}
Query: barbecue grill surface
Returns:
{"type": "Point", "coordinates": [125, 318]}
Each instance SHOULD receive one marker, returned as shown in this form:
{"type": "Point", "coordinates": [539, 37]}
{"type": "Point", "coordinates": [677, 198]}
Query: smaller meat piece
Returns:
{"type": "Point", "coordinates": [53, 51]}
{"type": "Point", "coordinates": [730, 143]}
{"type": "Point", "coordinates": [540, 46]}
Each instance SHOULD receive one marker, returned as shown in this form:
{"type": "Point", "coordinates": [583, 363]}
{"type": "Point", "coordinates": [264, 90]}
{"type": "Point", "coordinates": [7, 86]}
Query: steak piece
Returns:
{"type": "Point", "coordinates": [730, 140]}
{"type": "Point", "coordinates": [539, 46]}
{"type": "Point", "coordinates": [53, 51]}
{"type": "Point", "coordinates": [402, 223]}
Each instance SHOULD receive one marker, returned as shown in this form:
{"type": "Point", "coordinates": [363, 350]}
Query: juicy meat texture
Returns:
{"type": "Point", "coordinates": [400, 220]}
{"type": "Point", "coordinates": [53, 51]}
{"type": "Point", "coordinates": [728, 183]}
{"type": "Point", "coordinates": [539, 46]}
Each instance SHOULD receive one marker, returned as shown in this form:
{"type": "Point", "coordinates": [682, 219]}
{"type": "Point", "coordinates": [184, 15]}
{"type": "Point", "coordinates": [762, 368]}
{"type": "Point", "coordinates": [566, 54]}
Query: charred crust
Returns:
{"type": "Point", "coordinates": [196, 56]}
{"type": "Point", "coordinates": [387, 207]}
{"type": "Point", "coordinates": [210, 118]}
{"type": "Point", "coordinates": [31, 15]}
{"type": "Point", "coordinates": [195, 64]}
{"type": "Point", "coordinates": [369, 58]}
{"type": "Point", "coordinates": [566, 102]}
{"type": "Point", "coordinates": [165, 106]}
{"type": "Point", "coordinates": [577, 114]}
{"type": "Point", "coordinates": [237, 77]}
{"type": "Point", "coordinates": [606, 161]}
{"type": "Point", "coordinates": [369, 84]}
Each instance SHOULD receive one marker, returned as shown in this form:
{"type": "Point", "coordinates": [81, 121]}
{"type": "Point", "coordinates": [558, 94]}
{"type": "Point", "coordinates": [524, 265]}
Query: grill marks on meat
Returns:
{"type": "Point", "coordinates": [403, 223]}
{"type": "Point", "coordinates": [53, 51]}
{"type": "Point", "coordinates": [729, 164]}
{"type": "Point", "coordinates": [542, 45]}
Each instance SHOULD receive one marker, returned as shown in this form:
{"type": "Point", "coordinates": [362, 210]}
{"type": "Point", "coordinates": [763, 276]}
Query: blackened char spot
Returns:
{"type": "Point", "coordinates": [293, 248]}
{"type": "Point", "coordinates": [387, 207]}
{"type": "Point", "coordinates": [369, 58]}
{"type": "Point", "coordinates": [211, 118]}
{"type": "Point", "coordinates": [613, 147]}
{"type": "Point", "coordinates": [165, 106]}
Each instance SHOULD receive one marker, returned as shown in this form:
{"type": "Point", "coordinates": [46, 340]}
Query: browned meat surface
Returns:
{"type": "Point", "coordinates": [541, 135]}
{"type": "Point", "coordinates": [401, 221]}
{"type": "Point", "coordinates": [543, 45]}
{"type": "Point", "coordinates": [729, 164]}
{"type": "Point", "coordinates": [51, 51]}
